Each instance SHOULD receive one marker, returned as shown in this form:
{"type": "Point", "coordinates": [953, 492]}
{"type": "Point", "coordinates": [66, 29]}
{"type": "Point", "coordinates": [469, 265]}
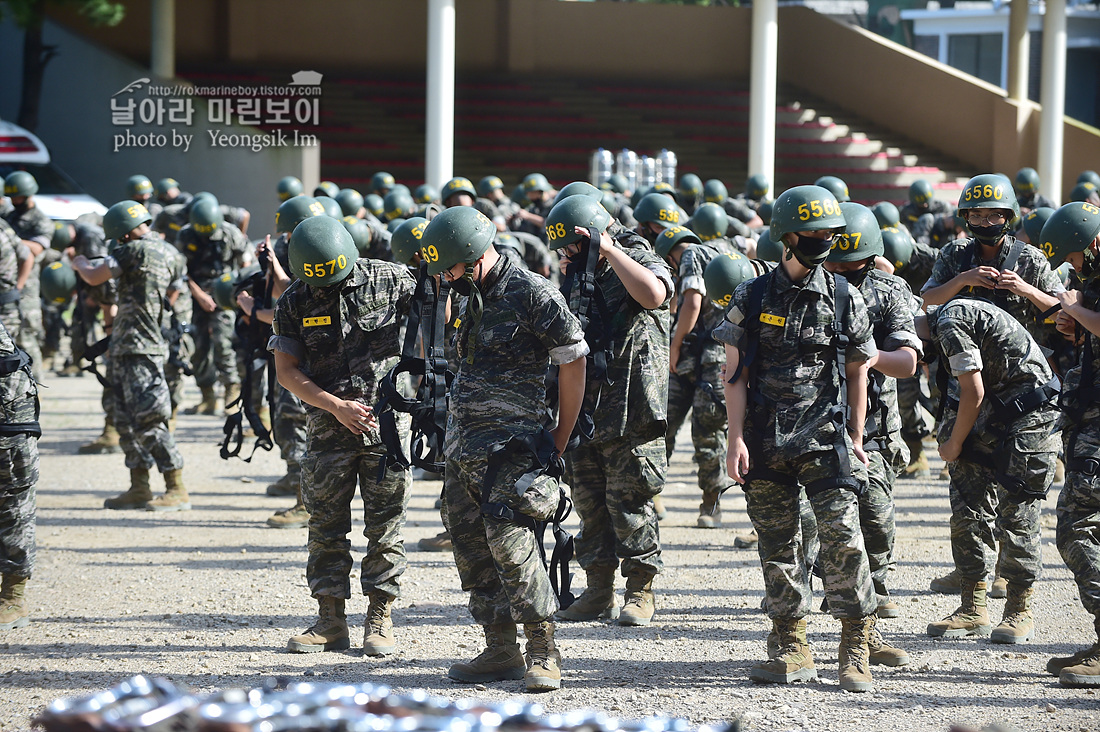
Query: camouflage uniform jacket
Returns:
{"type": "Point", "coordinates": [525, 326]}
{"type": "Point", "coordinates": [32, 225]}
{"type": "Point", "coordinates": [143, 270]}
{"type": "Point", "coordinates": [976, 335]}
{"type": "Point", "coordinates": [634, 400]}
{"type": "Point", "coordinates": [1081, 412]}
{"type": "Point", "coordinates": [18, 394]}
{"type": "Point", "coordinates": [10, 247]}
{"type": "Point", "coordinates": [91, 243]}
{"type": "Point", "coordinates": [1032, 267]}
{"type": "Point", "coordinates": [796, 382]}
{"type": "Point", "coordinates": [346, 336]}
{"type": "Point", "coordinates": [698, 346]}
{"type": "Point", "coordinates": [209, 257]}
{"type": "Point", "coordinates": [171, 219]}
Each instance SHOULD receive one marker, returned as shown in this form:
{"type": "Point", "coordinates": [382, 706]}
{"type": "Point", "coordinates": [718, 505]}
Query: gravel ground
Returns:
{"type": "Point", "coordinates": [209, 597]}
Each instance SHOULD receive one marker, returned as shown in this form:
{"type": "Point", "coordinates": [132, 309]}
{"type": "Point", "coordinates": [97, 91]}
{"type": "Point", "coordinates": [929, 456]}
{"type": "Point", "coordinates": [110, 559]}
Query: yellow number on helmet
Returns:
{"type": "Point", "coordinates": [418, 230]}
{"type": "Point", "coordinates": [1090, 208]}
{"type": "Point", "coordinates": [430, 253]}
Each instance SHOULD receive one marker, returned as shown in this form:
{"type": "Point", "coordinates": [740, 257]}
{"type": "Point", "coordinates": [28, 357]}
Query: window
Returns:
{"type": "Point", "coordinates": [978, 55]}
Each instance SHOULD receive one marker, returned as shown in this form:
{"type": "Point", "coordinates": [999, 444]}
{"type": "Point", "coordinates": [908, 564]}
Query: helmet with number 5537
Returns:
{"type": "Point", "coordinates": [405, 242]}
{"type": "Point", "coordinates": [804, 208]}
{"type": "Point", "coordinates": [659, 209]}
{"type": "Point", "coordinates": [124, 217]}
{"type": "Point", "coordinates": [579, 210]}
{"type": "Point", "coordinates": [459, 234]}
{"type": "Point", "coordinates": [321, 251]}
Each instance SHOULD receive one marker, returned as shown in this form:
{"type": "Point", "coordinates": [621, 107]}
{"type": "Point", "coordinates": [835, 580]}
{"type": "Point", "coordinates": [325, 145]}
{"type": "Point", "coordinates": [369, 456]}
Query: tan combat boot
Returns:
{"type": "Point", "coordinates": [999, 589]}
{"type": "Point", "coordinates": [296, 517]}
{"type": "Point", "coordinates": [971, 617]}
{"type": "Point", "coordinates": [853, 656]}
{"type": "Point", "coordinates": [500, 661]}
{"type": "Point", "coordinates": [918, 464]}
{"type": "Point", "coordinates": [106, 444]}
{"type": "Point", "coordinates": [208, 404]}
{"type": "Point", "coordinates": [747, 541]}
{"type": "Point", "coordinates": [1017, 625]}
{"type": "Point", "coordinates": [1085, 673]}
{"type": "Point", "coordinates": [659, 507]}
{"type": "Point", "coordinates": [378, 637]}
{"type": "Point", "coordinates": [949, 584]}
{"type": "Point", "coordinates": [791, 659]}
{"type": "Point", "coordinates": [441, 542]}
{"type": "Point", "coordinates": [881, 652]}
{"type": "Point", "coordinates": [285, 486]}
{"type": "Point", "coordinates": [710, 511]}
{"type": "Point", "coordinates": [1056, 664]}
{"type": "Point", "coordinates": [598, 599]}
{"type": "Point", "coordinates": [13, 604]}
{"type": "Point", "coordinates": [232, 394]}
{"type": "Point", "coordinates": [172, 420]}
{"type": "Point", "coordinates": [137, 496]}
{"type": "Point", "coordinates": [175, 496]}
{"type": "Point", "coordinates": [329, 633]}
{"type": "Point", "coordinates": [543, 659]}
{"type": "Point", "coordinates": [639, 602]}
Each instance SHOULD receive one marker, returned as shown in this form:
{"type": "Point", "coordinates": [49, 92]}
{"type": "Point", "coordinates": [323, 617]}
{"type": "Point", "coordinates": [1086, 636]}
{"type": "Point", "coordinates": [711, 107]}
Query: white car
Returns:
{"type": "Point", "coordinates": [59, 196]}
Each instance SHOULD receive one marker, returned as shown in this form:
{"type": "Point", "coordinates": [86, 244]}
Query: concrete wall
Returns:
{"type": "Point", "coordinates": [76, 124]}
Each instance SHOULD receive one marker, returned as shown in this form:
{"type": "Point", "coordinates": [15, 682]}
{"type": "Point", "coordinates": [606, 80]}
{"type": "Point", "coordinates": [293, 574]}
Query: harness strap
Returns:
{"type": "Point", "coordinates": [91, 353]}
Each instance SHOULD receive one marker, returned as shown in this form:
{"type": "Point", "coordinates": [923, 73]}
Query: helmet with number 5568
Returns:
{"type": "Point", "coordinates": [321, 251]}
{"type": "Point", "coordinates": [579, 210]}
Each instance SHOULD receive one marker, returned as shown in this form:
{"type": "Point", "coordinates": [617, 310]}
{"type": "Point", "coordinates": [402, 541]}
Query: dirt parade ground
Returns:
{"type": "Point", "coordinates": [208, 598]}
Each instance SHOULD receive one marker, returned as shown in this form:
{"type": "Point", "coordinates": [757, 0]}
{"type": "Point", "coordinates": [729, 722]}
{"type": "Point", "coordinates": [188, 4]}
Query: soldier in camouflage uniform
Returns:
{"type": "Point", "coordinates": [890, 308]}
{"type": "Point", "coordinates": [513, 325]}
{"type": "Point", "coordinates": [336, 335]}
{"type": "Point", "coordinates": [35, 229]}
{"type": "Point", "coordinates": [995, 435]}
{"type": "Point", "coordinates": [1027, 184]}
{"type": "Point", "coordinates": [922, 201]}
{"type": "Point", "coordinates": [142, 404]}
{"type": "Point", "coordinates": [18, 475]}
{"type": "Point", "coordinates": [460, 192]}
{"type": "Point", "coordinates": [615, 472]}
{"type": "Point", "coordinates": [15, 265]}
{"type": "Point", "coordinates": [790, 377]}
{"type": "Point", "coordinates": [212, 247]}
{"type": "Point", "coordinates": [1073, 234]}
{"type": "Point", "coordinates": [695, 362]}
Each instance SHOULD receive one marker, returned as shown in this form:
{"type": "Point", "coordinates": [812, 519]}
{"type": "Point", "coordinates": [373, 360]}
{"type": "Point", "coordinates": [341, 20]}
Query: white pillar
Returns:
{"type": "Point", "coordinates": [162, 55]}
{"type": "Point", "coordinates": [1053, 98]}
{"type": "Point", "coordinates": [764, 75]}
{"type": "Point", "coordinates": [1019, 45]}
{"type": "Point", "coordinates": [439, 143]}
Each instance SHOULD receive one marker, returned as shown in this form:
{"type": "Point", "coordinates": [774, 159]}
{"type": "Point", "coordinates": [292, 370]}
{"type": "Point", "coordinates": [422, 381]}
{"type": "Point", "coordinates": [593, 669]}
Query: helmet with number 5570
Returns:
{"type": "Point", "coordinates": [459, 234]}
{"type": "Point", "coordinates": [321, 251]}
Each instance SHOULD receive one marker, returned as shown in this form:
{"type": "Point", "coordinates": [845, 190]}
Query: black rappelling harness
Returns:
{"type": "Point", "coordinates": [838, 413]}
{"type": "Point", "coordinates": [9, 364]}
{"type": "Point", "coordinates": [258, 363]}
{"type": "Point", "coordinates": [875, 433]}
{"type": "Point", "coordinates": [428, 407]}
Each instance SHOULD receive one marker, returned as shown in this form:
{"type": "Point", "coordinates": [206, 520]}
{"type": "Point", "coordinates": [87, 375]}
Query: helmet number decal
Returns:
{"type": "Point", "coordinates": [1090, 208]}
{"type": "Point", "coordinates": [669, 215]}
{"type": "Point", "coordinates": [318, 270]}
{"type": "Point", "coordinates": [985, 193]}
{"type": "Point", "coordinates": [418, 230]}
{"type": "Point", "coordinates": [847, 241]}
{"type": "Point", "coordinates": [430, 253]}
{"type": "Point", "coordinates": [1047, 248]}
{"type": "Point", "coordinates": [724, 301]}
{"type": "Point", "coordinates": [815, 209]}
{"type": "Point", "coordinates": [556, 231]}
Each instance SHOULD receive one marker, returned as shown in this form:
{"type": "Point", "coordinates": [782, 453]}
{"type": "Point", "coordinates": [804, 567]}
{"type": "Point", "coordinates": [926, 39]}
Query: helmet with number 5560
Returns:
{"type": "Point", "coordinates": [321, 251]}
{"type": "Point", "coordinates": [804, 208]}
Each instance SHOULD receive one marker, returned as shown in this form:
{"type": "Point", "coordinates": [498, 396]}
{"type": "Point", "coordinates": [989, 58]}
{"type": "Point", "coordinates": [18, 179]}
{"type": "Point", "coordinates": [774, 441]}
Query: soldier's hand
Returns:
{"type": "Point", "coordinates": [1009, 280]}
{"type": "Point", "coordinates": [245, 302]}
{"type": "Point", "coordinates": [358, 418]}
{"type": "Point", "coordinates": [737, 460]}
{"type": "Point", "coordinates": [673, 357]}
{"type": "Point", "coordinates": [950, 451]}
{"type": "Point", "coordinates": [1068, 299]}
{"type": "Point", "coordinates": [857, 448]}
{"type": "Point", "coordinates": [980, 277]}
{"type": "Point", "coordinates": [206, 302]}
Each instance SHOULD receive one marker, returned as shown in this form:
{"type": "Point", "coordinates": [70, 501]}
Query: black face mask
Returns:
{"type": "Point", "coordinates": [988, 235]}
{"type": "Point", "coordinates": [22, 207]}
{"type": "Point", "coordinates": [810, 251]}
{"type": "Point", "coordinates": [856, 277]}
{"type": "Point", "coordinates": [462, 286]}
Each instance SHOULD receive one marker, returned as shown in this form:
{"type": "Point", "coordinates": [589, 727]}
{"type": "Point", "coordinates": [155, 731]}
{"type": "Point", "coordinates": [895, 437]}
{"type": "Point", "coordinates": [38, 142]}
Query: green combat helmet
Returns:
{"type": "Point", "coordinates": [765, 212]}
{"type": "Point", "coordinates": [58, 282]}
{"type": "Point", "coordinates": [757, 186]}
{"type": "Point", "coordinates": [579, 188]}
{"type": "Point", "coordinates": [806, 208]}
{"type": "Point", "coordinates": [861, 238]}
{"type": "Point", "coordinates": [459, 234]}
{"type": "Point", "coordinates": [375, 204]}
{"type": "Point", "coordinates": [1065, 273]}
{"type": "Point", "coordinates": [536, 182]}
{"type": "Point", "coordinates": [289, 187]}
{"type": "Point", "coordinates": [488, 184]}
{"type": "Point", "coordinates": [20, 183]}
{"type": "Point", "coordinates": [921, 193]}
{"type": "Point", "coordinates": [715, 191]}
{"type": "Point", "coordinates": [163, 186]}
{"type": "Point", "coordinates": [710, 221]}
{"type": "Point", "coordinates": [350, 201]}
{"type": "Point", "coordinates": [1072, 228]}
{"type": "Point", "coordinates": [405, 242]}
{"type": "Point", "coordinates": [670, 238]}
{"type": "Point", "coordinates": [723, 274]}
{"type": "Point", "coordinates": [360, 233]}
{"type": "Point", "coordinates": [206, 216]}
{"type": "Point", "coordinates": [62, 236]}
{"type": "Point", "coordinates": [458, 185]}
{"type": "Point", "coordinates": [321, 251]}
{"type": "Point", "coordinates": [577, 210]}
{"type": "Point", "coordinates": [519, 196]}
{"type": "Point", "coordinates": [1089, 176]}
{"type": "Point", "coordinates": [124, 217]}
{"type": "Point", "coordinates": [381, 183]}
{"type": "Point", "coordinates": [394, 224]}
{"type": "Point", "coordinates": [834, 185]}
{"type": "Point", "coordinates": [1026, 181]}
{"type": "Point", "coordinates": [425, 193]}
{"type": "Point", "coordinates": [398, 205]}
{"type": "Point", "coordinates": [331, 207]}
{"type": "Point", "coordinates": [887, 214]}
{"type": "Point", "coordinates": [1034, 222]}
{"type": "Point", "coordinates": [326, 188]}
{"type": "Point", "coordinates": [619, 183]}
{"type": "Point", "coordinates": [659, 209]}
{"type": "Point", "coordinates": [294, 210]}
{"type": "Point", "coordinates": [989, 190]}
{"type": "Point", "coordinates": [224, 288]}
{"type": "Point", "coordinates": [689, 189]}
{"type": "Point", "coordinates": [897, 246]}
{"type": "Point", "coordinates": [665, 189]}
{"type": "Point", "coordinates": [1082, 191]}
{"type": "Point", "coordinates": [138, 185]}
{"type": "Point", "coordinates": [768, 250]}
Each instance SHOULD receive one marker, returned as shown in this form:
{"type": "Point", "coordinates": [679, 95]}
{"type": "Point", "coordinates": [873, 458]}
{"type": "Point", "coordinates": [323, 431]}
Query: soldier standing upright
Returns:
{"type": "Point", "coordinates": [35, 229]}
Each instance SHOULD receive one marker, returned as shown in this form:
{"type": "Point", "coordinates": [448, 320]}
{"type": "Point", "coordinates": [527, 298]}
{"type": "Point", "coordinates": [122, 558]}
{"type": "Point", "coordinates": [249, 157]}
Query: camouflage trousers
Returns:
{"type": "Point", "coordinates": [498, 561]}
{"type": "Point", "coordinates": [173, 372]}
{"type": "Point", "coordinates": [214, 360]}
{"type": "Point", "coordinates": [12, 320]}
{"type": "Point", "coordinates": [983, 511]}
{"type": "Point", "coordinates": [773, 493]}
{"type": "Point", "coordinates": [613, 484]}
{"type": "Point", "coordinates": [703, 397]}
{"type": "Point", "coordinates": [142, 408]}
{"type": "Point", "coordinates": [876, 519]}
{"type": "Point", "coordinates": [288, 429]}
{"type": "Point", "coordinates": [31, 333]}
{"type": "Point", "coordinates": [335, 460]}
{"type": "Point", "coordinates": [1078, 533]}
{"type": "Point", "coordinates": [18, 476]}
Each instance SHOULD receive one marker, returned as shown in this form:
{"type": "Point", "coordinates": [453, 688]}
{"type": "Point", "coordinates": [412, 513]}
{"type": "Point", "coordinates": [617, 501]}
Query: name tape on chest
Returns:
{"type": "Point", "coordinates": [323, 320]}
{"type": "Point", "coordinates": [773, 319]}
